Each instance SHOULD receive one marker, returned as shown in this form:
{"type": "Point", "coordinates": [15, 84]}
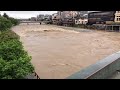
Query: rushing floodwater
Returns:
{"type": "Point", "coordinates": [58, 52]}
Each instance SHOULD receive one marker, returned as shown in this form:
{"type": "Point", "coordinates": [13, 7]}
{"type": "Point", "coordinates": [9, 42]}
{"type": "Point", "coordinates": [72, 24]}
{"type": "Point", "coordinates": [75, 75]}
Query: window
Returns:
{"type": "Point", "coordinates": [118, 11]}
{"type": "Point", "coordinates": [118, 19]}
{"type": "Point", "coordinates": [76, 21]}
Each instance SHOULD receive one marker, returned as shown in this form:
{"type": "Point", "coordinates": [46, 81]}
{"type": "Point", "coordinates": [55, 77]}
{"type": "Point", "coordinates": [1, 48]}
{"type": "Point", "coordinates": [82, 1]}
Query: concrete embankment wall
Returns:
{"type": "Point", "coordinates": [100, 70]}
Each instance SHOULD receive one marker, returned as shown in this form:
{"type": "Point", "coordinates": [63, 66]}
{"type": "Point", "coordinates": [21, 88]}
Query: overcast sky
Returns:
{"type": "Point", "coordinates": [26, 14]}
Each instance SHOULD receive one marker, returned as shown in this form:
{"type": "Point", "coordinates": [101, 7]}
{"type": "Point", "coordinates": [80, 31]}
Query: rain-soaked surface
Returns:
{"type": "Point", "coordinates": [57, 52]}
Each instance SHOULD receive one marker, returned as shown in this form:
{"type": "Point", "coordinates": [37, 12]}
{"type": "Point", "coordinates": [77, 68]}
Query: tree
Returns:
{"type": "Point", "coordinates": [6, 16]}
{"type": "Point", "coordinates": [14, 21]}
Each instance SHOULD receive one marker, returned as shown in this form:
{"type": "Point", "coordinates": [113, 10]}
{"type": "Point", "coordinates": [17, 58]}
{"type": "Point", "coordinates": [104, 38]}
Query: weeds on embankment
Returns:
{"type": "Point", "coordinates": [14, 60]}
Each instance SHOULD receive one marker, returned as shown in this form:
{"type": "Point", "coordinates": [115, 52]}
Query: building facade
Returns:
{"type": "Point", "coordinates": [68, 17]}
{"type": "Point", "coordinates": [81, 21]}
{"type": "Point", "coordinates": [101, 17]}
{"type": "Point", "coordinates": [47, 17]}
{"type": "Point", "coordinates": [40, 17]}
{"type": "Point", "coordinates": [55, 18]}
{"type": "Point", "coordinates": [33, 19]}
{"type": "Point", "coordinates": [83, 14]}
{"type": "Point", "coordinates": [67, 14]}
{"type": "Point", "coordinates": [117, 17]}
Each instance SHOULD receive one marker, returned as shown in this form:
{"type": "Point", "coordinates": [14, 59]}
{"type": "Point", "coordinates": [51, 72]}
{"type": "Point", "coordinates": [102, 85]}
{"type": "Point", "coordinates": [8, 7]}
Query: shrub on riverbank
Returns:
{"type": "Point", "coordinates": [8, 35]}
{"type": "Point", "coordinates": [5, 24]}
{"type": "Point", "coordinates": [15, 69]}
{"type": "Point", "coordinates": [14, 21]}
{"type": "Point", "coordinates": [14, 60]}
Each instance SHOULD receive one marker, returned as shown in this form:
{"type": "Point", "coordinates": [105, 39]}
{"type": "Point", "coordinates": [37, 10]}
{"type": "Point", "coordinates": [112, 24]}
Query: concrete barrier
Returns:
{"type": "Point", "coordinates": [100, 70]}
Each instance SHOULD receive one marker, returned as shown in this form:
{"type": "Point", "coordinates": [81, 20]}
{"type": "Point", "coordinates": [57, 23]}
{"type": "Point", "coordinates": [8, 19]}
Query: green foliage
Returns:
{"type": "Point", "coordinates": [14, 60]}
{"type": "Point", "coordinates": [10, 50]}
{"type": "Point", "coordinates": [10, 19]}
{"type": "Point", "coordinates": [8, 35]}
{"type": "Point", "coordinates": [5, 24]}
{"type": "Point", "coordinates": [5, 15]}
{"type": "Point", "coordinates": [16, 68]}
{"type": "Point", "coordinates": [14, 21]}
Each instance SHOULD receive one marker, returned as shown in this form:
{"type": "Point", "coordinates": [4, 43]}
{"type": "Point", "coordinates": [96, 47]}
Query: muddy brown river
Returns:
{"type": "Point", "coordinates": [57, 51]}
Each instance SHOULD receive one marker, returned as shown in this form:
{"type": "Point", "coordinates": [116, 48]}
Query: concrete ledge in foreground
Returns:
{"type": "Point", "coordinates": [100, 70]}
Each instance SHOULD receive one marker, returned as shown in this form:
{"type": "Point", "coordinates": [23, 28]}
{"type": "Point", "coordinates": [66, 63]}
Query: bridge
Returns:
{"type": "Point", "coordinates": [30, 21]}
{"type": "Point", "coordinates": [42, 22]}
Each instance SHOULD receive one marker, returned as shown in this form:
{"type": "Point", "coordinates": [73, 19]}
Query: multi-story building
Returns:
{"type": "Point", "coordinates": [60, 13]}
{"type": "Point", "coordinates": [83, 14]}
{"type": "Point", "coordinates": [68, 17]}
{"type": "Point", "coordinates": [33, 19]}
{"type": "Point", "coordinates": [117, 17]}
{"type": "Point", "coordinates": [47, 17]}
{"type": "Point", "coordinates": [40, 17]}
{"type": "Point", "coordinates": [69, 14]}
{"type": "Point", "coordinates": [55, 18]}
{"type": "Point", "coordinates": [82, 17]}
{"type": "Point", "coordinates": [101, 17]}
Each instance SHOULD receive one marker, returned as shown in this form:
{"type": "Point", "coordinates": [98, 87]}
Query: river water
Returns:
{"type": "Point", "coordinates": [58, 52]}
